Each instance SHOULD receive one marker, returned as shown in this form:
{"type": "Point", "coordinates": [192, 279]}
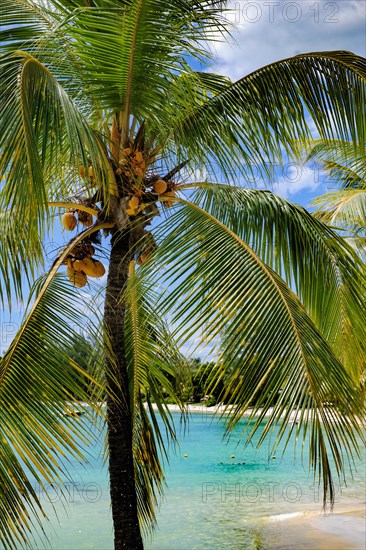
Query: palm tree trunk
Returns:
{"type": "Point", "coordinates": [127, 534]}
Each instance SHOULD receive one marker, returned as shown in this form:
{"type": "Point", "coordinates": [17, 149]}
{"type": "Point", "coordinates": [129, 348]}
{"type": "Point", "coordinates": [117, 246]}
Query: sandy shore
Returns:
{"type": "Point", "coordinates": [338, 531]}
{"type": "Point", "coordinates": [197, 408]}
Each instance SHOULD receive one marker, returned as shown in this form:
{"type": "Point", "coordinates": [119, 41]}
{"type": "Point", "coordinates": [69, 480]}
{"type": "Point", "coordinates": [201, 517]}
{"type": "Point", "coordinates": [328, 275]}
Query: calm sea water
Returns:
{"type": "Point", "coordinates": [218, 496]}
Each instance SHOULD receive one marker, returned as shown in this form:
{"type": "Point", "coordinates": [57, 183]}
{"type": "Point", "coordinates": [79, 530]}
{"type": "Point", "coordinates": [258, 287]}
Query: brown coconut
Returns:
{"type": "Point", "coordinates": [90, 267]}
{"type": "Point", "coordinates": [169, 194]}
{"type": "Point", "coordinates": [69, 221]}
{"type": "Point", "coordinates": [133, 202]}
{"type": "Point", "coordinates": [160, 186]}
{"type": "Point", "coordinates": [85, 218]}
{"type": "Point", "coordinates": [139, 172]}
{"type": "Point", "coordinates": [139, 157]}
{"type": "Point", "coordinates": [78, 278]}
{"type": "Point", "coordinates": [78, 265]}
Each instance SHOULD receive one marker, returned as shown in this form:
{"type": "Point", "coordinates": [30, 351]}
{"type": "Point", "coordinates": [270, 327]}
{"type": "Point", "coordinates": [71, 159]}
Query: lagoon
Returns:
{"type": "Point", "coordinates": [219, 495]}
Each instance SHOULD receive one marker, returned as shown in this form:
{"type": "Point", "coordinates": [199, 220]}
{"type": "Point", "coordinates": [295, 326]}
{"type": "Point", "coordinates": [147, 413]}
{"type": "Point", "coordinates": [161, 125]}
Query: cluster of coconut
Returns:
{"type": "Point", "coordinates": [160, 187]}
{"type": "Point", "coordinates": [73, 216]}
{"type": "Point", "coordinates": [133, 165]}
{"type": "Point", "coordinates": [81, 265]}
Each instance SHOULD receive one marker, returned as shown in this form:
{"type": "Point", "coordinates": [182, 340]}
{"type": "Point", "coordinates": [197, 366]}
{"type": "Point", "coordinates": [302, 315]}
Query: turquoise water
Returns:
{"type": "Point", "coordinates": [211, 501]}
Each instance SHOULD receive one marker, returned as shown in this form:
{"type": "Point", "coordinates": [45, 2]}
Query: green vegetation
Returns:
{"type": "Point", "coordinates": [105, 121]}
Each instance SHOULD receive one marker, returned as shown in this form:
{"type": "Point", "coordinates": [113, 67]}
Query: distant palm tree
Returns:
{"type": "Point", "coordinates": [105, 115]}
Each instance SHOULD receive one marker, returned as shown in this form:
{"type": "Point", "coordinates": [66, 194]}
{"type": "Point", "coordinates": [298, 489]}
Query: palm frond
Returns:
{"type": "Point", "coordinates": [39, 374]}
{"type": "Point", "coordinates": [247, 126]}
{"type": "Point", "coordinates": [222, 295]}
{"type": "Point", "coordinates": [17, 263]}
{"type": "Point", "coordinates": [24, 22]}
{"type": "Point", "coordinates": [344, 162]}
{"type": "Point", "coordinates": [346, 208]}
{"type": "Point", "coordinates": [309, 256]}
{"type": "Point", "coordinates": [130, 59]}
{"type": "Point", "coordinates": [43, 138]}
{"type": "Point", "coordinates": [152, 358]}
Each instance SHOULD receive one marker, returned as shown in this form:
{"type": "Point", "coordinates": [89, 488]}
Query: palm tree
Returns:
{"type": "Point", "coordinates": [106, 117]}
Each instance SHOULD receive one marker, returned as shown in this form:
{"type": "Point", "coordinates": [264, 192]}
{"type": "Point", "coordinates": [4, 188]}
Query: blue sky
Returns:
{"type": "Point", "coordinates": [265, 31]}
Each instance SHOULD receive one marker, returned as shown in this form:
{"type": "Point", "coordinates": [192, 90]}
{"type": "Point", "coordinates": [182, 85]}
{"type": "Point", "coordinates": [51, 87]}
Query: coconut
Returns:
{"type": "Point", "coordinates": [131, 211]}
{"type": "Point", "coordinates": [91, 172]}
{"type": "Point", "coordinates": [85, 218]}
{"type": "Point", "coordinates": [133, 202]}
{"type": "Point", "coordinates": [139, 172]}
{"type": "Point", "coordinates": [90, 267]}
{"type": "Point", "coordinates": [169, 194]}
{"type": "Point", "coordinates": [126, 152]}
{"type": "Point", "coordinates": [99, 269]}
{"type": "Point", "coordinates": [160, 186]}
{"type": "Point", "coordinates": [82, 171]}
{"type": "Point", "coordinates": [78, 265]}
{"type": "Point", "coordinates": [69, 221]}
{"type": "Point", "coordinates": [139, 157]}
{"type": "Point", "coordinates": [78, 278]}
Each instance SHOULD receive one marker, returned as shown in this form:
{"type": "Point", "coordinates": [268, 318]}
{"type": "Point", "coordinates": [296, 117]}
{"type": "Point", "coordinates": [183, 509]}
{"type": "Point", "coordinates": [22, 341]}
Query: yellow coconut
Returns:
{"type": "Point", "coordinates": [99, 269]}
{"type": "Point", "coordinates": [69, 221]}
{"type": "Point", "coordinates": [160, 186]}
{"type": "Point", "coordinates": [78, 278]}
{"type": "Point", "coordinates": [139, 157]}
{"type": "Point", "coordinates": [82, 171]}
{"type": "Point", "coordinates": [133, 202]}
{"type": "Point", "coordinates": [169, 194]}
{"type": "Point", "coordinates": [78, 265]}
{"type": "Point", "coordinates": [131, 211]}
{"type": "Point", "coordinates": [126, 152]}
{"type": "Point", "coordinates": [91, 172]}
{"type": "Point", "coordinates": [139, 172]}
{"type": "Point", "coordinates": [91, 267]}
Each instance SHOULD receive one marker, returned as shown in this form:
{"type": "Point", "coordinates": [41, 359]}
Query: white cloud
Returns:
{"type": "Point", "coordinates": [267, 31]}
{"type": "Point", "coordinates": [296, 178]}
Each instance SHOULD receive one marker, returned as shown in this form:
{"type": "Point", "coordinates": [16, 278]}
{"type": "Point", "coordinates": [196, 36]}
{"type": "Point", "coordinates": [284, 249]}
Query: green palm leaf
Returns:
{"type": "Point", "coordinates": [344, 162]}
{"type": "Point", "coordinates": [38, 376]}
{"type": "Point", "coordinates": [236, 306]}
{"type": "Point", "coordinates": [329, 282]}
{"type": "Point", "coordinates": [246, 127]}
{"type": "Point", "coordinates": [345, 208]}
{"type": "Point", "coordinates": [152, 360]}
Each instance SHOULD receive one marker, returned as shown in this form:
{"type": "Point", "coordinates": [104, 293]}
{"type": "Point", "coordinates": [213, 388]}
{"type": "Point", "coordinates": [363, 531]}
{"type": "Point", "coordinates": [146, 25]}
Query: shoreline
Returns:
{"type": "Point", "coordinates": [197, 408]}
{"type": "Point", "coordinates": [309, 530]}
{"type": "Point", "coordinates": [192, 408]}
